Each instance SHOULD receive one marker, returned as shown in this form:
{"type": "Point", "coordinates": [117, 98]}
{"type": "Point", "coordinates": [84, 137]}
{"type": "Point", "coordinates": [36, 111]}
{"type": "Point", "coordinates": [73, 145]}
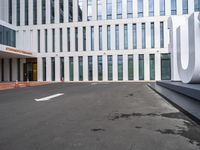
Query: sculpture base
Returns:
{"type": "Point", "coordinates": [185, 97]}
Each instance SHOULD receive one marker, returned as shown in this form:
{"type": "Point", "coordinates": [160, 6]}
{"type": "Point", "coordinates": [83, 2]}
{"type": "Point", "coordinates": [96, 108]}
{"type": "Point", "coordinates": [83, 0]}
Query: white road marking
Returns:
{"type": "Point", "coordinates": [49, 97]}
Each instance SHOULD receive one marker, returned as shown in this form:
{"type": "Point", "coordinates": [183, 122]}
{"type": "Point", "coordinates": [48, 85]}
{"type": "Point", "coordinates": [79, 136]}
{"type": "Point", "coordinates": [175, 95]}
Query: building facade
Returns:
{"type": "Point", "coordinates": [87, 40]}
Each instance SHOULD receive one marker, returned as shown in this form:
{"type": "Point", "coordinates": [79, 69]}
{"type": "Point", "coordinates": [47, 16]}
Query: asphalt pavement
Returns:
{"type": "Point", "coordinates": [93, 116]}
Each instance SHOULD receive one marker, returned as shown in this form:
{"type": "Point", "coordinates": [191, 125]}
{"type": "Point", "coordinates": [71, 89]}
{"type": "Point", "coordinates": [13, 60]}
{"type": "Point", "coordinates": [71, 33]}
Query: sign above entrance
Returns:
{"type": "Point", "coordinates": [18, 51]}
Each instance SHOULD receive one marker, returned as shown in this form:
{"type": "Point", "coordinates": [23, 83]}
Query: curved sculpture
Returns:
{"type": "Point", "coordinates": [188, 41]}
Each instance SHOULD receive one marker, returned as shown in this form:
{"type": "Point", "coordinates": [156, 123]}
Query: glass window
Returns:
{"type": "Point", "coordinates": [134, 36]}
{"type": "Point", "coordinates": [38, 33]}
{"type": "Point", "coordinates": [52, 11]}
{"type": "Point", "coordinates": [161, 35]}
{"type": "Point", "coordinates": [80, 68]}
{"type": "Point", "coordinates": [92, 38]}
{"type": "Point", "coordinates": [143, 36]}
{"type": "Point", "coordinates": [151, 7]}
{"type": "Point", "coordinates": [99, 9]}
{"type": "Point", "coordinates": [61, 40]}
{"type": "Point", "coordinates": [46, 40]}
{"type": "Point", "coordinates": [162, 7]}
{"type": "Point", "coordinates": [173, 7]}
{"type": "Point", "coordinates": [68, 39]}
{"type": "Point", "coordinates": [110, 68]}
{"type": "Point", "coordinates": [119, 9]}
{"type": "Point", "coordinates": [185, 6]}
{"type": "Point", "coordinates": [61, 11]}
{"type": "Point", "coordinates": [76, 39]}
{"type": "Point", "coordinates": [84, 38]}
{"type": "Point", "coordinates": [140, 8]}
{"type": "Point", "coordinates": [44, 68]}
{"type": "Point", "coordinates": [62, 69]}
{"type": "Point", "coordinates": [89, 11]}
{"type": "Point", "coordinates": [108, 38]}
{"type": "Point", "coordinates": [100, 68]}
{"type": "Point", "coordinates": [18, 12]}
{"type": "Point", "coordinates": [152, 66]}
{"type": "Point", "coordinates": [120, 67]}
{"type": "Point", "coordinates": [100, 37]}
{"type": "Point", "coordinates": [18, 69]}
{"type": "Point", "coordinates": [80, 10]}
{"type": "Point", "coordinates": [53, 40]}
{"type": "Point", "coordinates": [117, 37]}
{"type": "Point", "coordinates": [26, 12]}
{"type": "Point", "coordinates": [152, 35]}
{"type": "Point", "coordinates": [43, 11]}
{"type": "Point", "coordinates": [109, 9]}
{"type": "Point", "coordinates": [165, 67]}
{"type": "Point", "coordinates": [71, 68]}
{"type": "Point", "coordinates": [129, 8]}
{"type": "Point", "coordinates": [141, 66]}
{"type": "Point", "coordinates": [10, 12]}
{"type": "Point", "coordinates": [2, 68]}
{"type": "Point", "coordinates": [90, 68]}
{"type": "Point", "coordinates": [125, 36]}
{"type": "Point", "coordinates": [10, 69]}
{"type": "Point", "coordinates": [53, 69]}
{"type": "Point", "coordinates": [34, 12]}
{"type": "Point", "coordinates": [130, 67]}
{"type": "Point", "coordinates": [70, 10]}
{"type": "Point", "coordinates": [197, 5]}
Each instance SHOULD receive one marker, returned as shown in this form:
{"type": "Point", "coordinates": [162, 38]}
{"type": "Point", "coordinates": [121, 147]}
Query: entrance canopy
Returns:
{"type": "Point", "coordinates": [8, 52]}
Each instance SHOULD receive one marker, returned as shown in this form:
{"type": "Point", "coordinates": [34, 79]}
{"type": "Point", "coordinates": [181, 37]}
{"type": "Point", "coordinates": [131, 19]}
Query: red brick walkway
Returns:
{"type": "Point", "coordinates": [11, 85]}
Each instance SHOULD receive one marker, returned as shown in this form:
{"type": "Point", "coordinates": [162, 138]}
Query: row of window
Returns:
{"type": "Point", "coordinates": [90, 11]}
{"type": "Point", "coordinates": [7, 36]}
{"type": "Point", "coordinates": [100, 37]}
{"type": "Point", "coordinates": [165, 67]}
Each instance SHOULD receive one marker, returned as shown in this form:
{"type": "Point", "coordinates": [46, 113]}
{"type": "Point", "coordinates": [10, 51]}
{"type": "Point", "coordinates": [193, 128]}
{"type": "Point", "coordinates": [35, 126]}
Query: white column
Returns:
{"type": "Point", "coordinates": [168, 8]}
{"type": "Point", "coordinates": [135, 8]}
{"type": "Point", "coordinates": [95, 68]}
{"type": "Point", "coordinates": [179, 7]}
{"type": "Point", "coordinates": [157, 66]}
{"type": "Point", "coordinates": [22, 10]}
{"type": "Point", "coordinates": [104, 35]}
{"type": "Point", "coordinates": [75, 11]}
{"type": "Point", "coordinates": [34, 41]}
{"type": "Point", "coordinates": [94, 10]}
{"type": "Point", "coordinates": [124, 9]}
{"type": "Point", "coordinates": [30, 12]}
{"type": "Point", "coordinates": [85, 68]}
{"type": "Point", "coordinates": [148, 35]}
{"type": "Point", "coordinates": [14, 12]}
{"type": "Point", "coordinates": [80, 39]}
{"type": "Point", "coordinates": [103, 10]}
{"type": "Point", "coordinates": [42, 41]}
{"type": "Point", "coordinates": [139, 36]}
{"type": "Point", "coordinates": [85, 10]}
{"type": "Point", "coordinates": [57, 12]}
{"type": "Point", "coordinates": [190, 6]}
{"type": "Point", "coordinates": [66, 66]}
{"type": "Point", "coordinates": [121, 36]}
{"type": "Point", "coordinates": [49, 42]}
{"type": "Point", "coordinates": [76, 71]}
{"type": "Point", "coordinates": [39, 12]}
{"type": "Point", "coordinates": [57, 68]}
{"type": "Point", "coordinates": [115, 68]}
{"type": "Point", "coordinates": [157, 7]}
{"type": "Point", "coordinates": [125, 67]}
{"type": "Point", "coordinates": [146, 7]}
{"type": "Point", "coordinates": [88, 38]}
{"type": "Point", "coordinates": [136, 67]}
{"type": "Point", "coordinates": [57, 40]}
{"type": "Point", "coordinates": [146, 67]}
{"type": "Point", "coordinates": [96, 38]}
{"type": "Point", "coordinates": [14, 69]}
{"type": "Point", "coordinates": [66, 10]}
{"type": "Point", "coordinates": [40, 69]}
{"type": "Point", "coordinates": [48, 68]}
{"type": "Point", "coordinates": [114, 9]}
{"type": "Point", "coordinates": [48, 12]}
{"type": "Point", "coordinates": [105, 68]}
{"type": "Point", "coordinates": [112, 31]}
{"type": "Point", "coordinates": [157, 34]}
{"type": "Point", "coordinates": [72, 39]}
{"type": "Point", "coordinates": [130, 37]}
{"type": "Point", "coordinates": [22, 61]}
{"type": "Point", "coordinates": [64, 39]}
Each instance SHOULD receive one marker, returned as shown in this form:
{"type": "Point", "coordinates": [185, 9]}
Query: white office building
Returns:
{"type": "Point", "coordinates": [87, 40]}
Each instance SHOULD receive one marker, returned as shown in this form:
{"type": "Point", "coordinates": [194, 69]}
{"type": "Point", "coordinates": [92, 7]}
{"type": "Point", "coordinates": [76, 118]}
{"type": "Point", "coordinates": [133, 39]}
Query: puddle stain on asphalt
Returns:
{"type": "Point", "coordinates": [98, 130]}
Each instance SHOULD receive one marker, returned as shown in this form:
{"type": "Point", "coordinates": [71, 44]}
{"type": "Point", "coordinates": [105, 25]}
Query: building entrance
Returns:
{"type": "Point", "coordinates": [30, 69]}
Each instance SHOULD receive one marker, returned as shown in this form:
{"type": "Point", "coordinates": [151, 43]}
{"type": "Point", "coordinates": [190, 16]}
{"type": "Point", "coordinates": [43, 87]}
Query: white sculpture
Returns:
{"type": "Point", "coordinates": [185, 46]}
